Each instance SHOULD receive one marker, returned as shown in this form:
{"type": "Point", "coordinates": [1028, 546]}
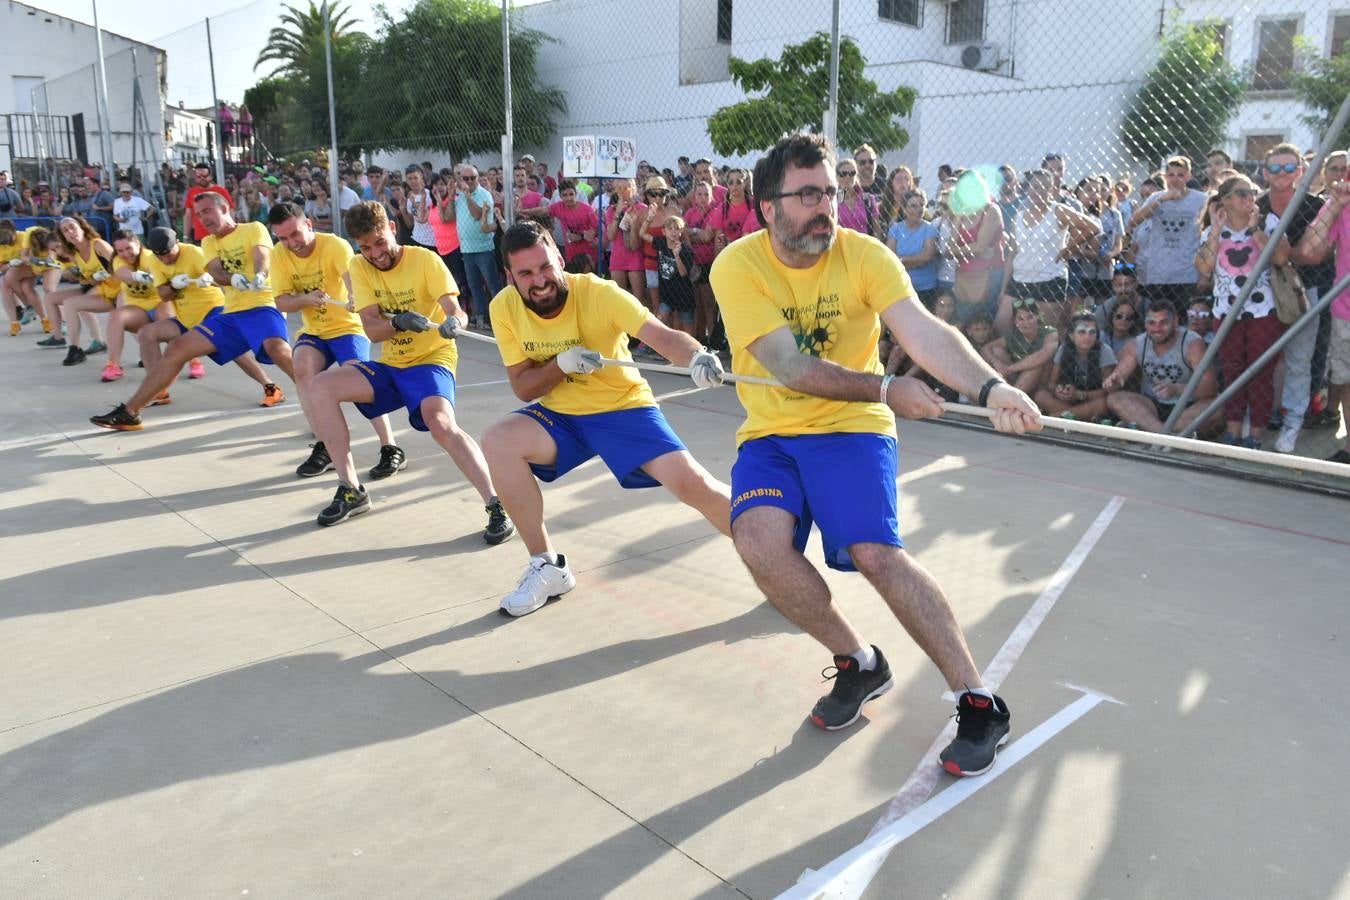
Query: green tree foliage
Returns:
{"type": "Point", "coordinates": [432, 78]}
{"type": "Point", "coordinates": [291, 44]}
{"type": "Point", "coordinates": [1322, 84]}
{"type": "Point", "coordinates": [1187, 98]}
{"type": "Point", "coordinates": [796, 89]}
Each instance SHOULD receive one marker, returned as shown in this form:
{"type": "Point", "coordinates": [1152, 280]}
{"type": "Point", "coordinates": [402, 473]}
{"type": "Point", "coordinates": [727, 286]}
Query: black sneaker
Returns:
{"type": "Point", "coordinates": [392, 461]}
{"type": "Point", "coordinates": [118, 420]}
{"type": "Point", "coordinates": [852, 688]}
{"type": "Point", "coordinates": [74, 356]}
{"type": "Point", "coordinates": [982, 727]}
{"type": "Point", "coordinates": [499, 526]}
{"type": "Point", "coordinates": [54, 341]}
{"type": "Point", "coordinates": [346, 502]}
{"type": "Point", "coordinates": [319, 462]}
{"type": "Point", "coordinates": [1327, 418]}
{"type": "Point", "coordinates": [1340, 456]}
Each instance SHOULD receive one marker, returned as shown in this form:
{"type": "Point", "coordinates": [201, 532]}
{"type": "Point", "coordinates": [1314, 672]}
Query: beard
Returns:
{"type": "Point", "coordinates": [800, 240]}
{"type": "Point", "coordinates": [548, 307]}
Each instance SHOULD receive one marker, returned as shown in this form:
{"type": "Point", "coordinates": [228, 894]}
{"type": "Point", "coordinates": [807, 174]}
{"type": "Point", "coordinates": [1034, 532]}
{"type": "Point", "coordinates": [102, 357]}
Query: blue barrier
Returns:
{"type": "Point", "coordinates": [100, 224]}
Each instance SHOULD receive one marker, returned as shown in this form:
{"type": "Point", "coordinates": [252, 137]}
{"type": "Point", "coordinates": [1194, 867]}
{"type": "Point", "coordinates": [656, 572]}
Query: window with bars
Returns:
{"type": "Point", "coordinates": [965, 21]}
{"type": "Point", "coordinates": [1258, 145]}
{"type": "Point", "coordinates": [1274, 54]}
{"type": "Point", "coordinates": [1340, 34]}
{"type": "Point", "coordinates": [906, 12]}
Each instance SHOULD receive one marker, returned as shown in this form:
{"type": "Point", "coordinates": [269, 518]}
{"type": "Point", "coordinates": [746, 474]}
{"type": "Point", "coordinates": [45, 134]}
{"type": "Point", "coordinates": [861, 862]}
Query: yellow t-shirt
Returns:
{"type": "Point", "coordinates": [832, 310]}
{"type": "Point", "coordinates": [416, 282]}
{"type": "Point", "coordinates": [141, 296]}
{"type": "Point", "coordinates": [88, 265]}
{"type": "Point", "coordinates": [321, 270]}
{"type": "Point", "coordinates": [195, 303]}
{"type": "Point", "coordinates": [235, 252]}
{"type": "Point", "coordinates": [598, 315]}
{"type": "Point", "coordinates": [11, 252]}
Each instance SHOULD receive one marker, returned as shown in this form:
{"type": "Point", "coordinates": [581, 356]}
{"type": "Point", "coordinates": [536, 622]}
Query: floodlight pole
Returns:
{"type": "Point", "coordinates": [106, 125]}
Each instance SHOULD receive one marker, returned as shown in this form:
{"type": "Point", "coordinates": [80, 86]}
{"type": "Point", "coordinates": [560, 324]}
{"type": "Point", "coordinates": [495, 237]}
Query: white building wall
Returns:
{"type": "Point", "coordinates": [63, 53]}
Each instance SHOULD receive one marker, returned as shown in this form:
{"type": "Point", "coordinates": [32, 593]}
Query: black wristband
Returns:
{"type": "Point", "coordinates": [989, 386]}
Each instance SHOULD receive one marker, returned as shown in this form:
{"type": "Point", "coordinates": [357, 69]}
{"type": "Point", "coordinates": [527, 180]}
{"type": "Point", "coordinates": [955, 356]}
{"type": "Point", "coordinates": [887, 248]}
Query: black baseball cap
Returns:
{"type": "Point", "coordinates": [161, 240]}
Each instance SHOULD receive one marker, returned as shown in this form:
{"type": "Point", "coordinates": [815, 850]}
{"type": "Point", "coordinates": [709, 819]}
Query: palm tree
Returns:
{"type": "Point", "coordinates": [290, 43]}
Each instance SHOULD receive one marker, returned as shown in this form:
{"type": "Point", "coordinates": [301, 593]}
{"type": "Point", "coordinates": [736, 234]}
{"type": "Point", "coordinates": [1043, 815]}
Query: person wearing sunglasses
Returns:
{"type": "Point", "coordinates": [1163, 358]}
{"type": "Point", "coordinates": [1284, 169]}
{"type": "Point", "coordinates": [803, 303]}
{"type": "Point", "coordinates": [858, 209]}
{"type": "Point", "coordinates": [1080, 367]}
{"type": "Point", "coordinates": [1024, 355]}
{"type": "Point", "coordinates": [1167, 258]}
{"type": "Point", "coordinates": [1233, 242]}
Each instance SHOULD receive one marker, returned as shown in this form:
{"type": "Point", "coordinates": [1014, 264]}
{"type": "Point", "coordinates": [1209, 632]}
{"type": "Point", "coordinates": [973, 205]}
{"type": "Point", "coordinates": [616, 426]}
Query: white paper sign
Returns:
{"type": "Point", "coordinates": [615, 157]}
{"type": "Point", "coordinates": [579, 156]}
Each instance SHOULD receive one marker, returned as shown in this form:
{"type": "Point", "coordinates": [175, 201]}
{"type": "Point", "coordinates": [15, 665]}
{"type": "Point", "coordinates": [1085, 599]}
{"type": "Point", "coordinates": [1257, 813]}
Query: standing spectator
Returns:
{"type": "Point", "coordinates": [376, 189]}
{"type": "Point", "coordinates": [684, 181]}
{"type": "Point", "coordinates": [734, 216]}
{"type": "Point", "coordinates": [699, 235]}
{"type": "Point", "coordinates": [416, 209]}
{"type": "Point", "coordinates": [578, 221]}
{"type": "Point", "coordinates": [1167, 258]}
{"type": "Point", "coordinates": [130, 210]}
{"type": "Point", "coordinates": [201, 178]}
{"type": "Point", "coordinates": [9, 198]}
{"type": "Point", "coordinates": [1331, 229]}
{"type": "Point", "coordinates": [347, 195]}
{"type": "Point", "coordinates": [675, 267]}
{"type": "Point", "coordinates": [915, 242]}
{"type": "Point", "coordinates": [1124, 192]}
{"type": "Point", "coordinates": [1284, 169]}
{"type": "Point", "coordinates": [900, 183]}
{"type": "Point", "coordinates": [476, 219]}
{"type": "Point", "coordinates": [857, 209]}
{"type": "Point", "coordinates": [1081, 366]}
{"type": "Point", "coordinates": [661, 205]}
{"type": "Point", "coordinates": [1099, 255]}
{"type": "Point", "coordinates": [1008, 198]}
{"type": "Point", "coordinates": [703, 172]}
{"type": "Point", "coordinates": [320, 210]}
{"type": "Point", "coordinates": [977, 248]}
{"type": "Point", "coordinates": [622, 220]}
{"type": "Point", "coordinates": [445, 225]}
{"type": "Point", "coordinates": [1216, 161]}
{"type": "Point", "coordinates": [1046, 234]}
{"type": "Point", "coordinates": [866, 158]}
{"type": "Point", "coordinates": [1229, 249]}
{"type": "Point", "coordinates": [550, 184]}
{"type": "Point", "coordinates": [100, 205]}
{"type": "Point", "coordinates": [530, 203]}
{"type": "Point", "coordinates": [1054, 164]}
{"type": "Point", "coordinates": [26, 202]}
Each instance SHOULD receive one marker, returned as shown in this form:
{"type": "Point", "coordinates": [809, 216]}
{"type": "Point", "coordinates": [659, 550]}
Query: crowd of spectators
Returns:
{"type": "Point", "coordinates": [1095, 296]}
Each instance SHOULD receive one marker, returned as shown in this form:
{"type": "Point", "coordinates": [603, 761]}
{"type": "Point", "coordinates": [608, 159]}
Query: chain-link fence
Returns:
{"type": "Point", "coordinates": [995, 111]}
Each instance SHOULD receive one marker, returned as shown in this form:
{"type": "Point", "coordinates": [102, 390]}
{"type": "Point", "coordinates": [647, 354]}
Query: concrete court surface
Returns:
{"type": "Point", "coordinates": [202, 694]}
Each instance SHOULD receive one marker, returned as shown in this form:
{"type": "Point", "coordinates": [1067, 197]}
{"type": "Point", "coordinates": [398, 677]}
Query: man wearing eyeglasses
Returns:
{"type": "Point", "coordinates": [1167, 258]}
{"type": "Point", "coordinates": [1284, 169]}
{"type": "Point", "coordinates": [803, 302]}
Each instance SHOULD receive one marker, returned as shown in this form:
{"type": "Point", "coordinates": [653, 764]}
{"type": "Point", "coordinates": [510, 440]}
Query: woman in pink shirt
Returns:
{"type": "Point", "coordinates": [698, 222]}
{"type": "Point", "coordinates": [734, 216]}
{"type": "Point", "coordinates": [622, 220]}
{"type": "Point", "coordinates": [857, 208]}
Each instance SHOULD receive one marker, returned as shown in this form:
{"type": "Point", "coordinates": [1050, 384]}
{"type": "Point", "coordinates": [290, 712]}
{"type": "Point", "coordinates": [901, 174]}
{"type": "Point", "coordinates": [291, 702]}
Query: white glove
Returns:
{"type": "Point", "coordinates": [101, 276]}
{"type": "Point", "coordinates": [578, 360]}
{"type": "Point", "coordinates": [260, 282]}
{"type": "Point", "coordinates": [705, 369]}
{"type": "Point", "coordinates": [144, 279]}
{"type": "Point", "coordinates": [204, 281]}
{"type": "Point", "coordinates": [240, 283]}
{"type": "Point", "coordinates": [181, 282]}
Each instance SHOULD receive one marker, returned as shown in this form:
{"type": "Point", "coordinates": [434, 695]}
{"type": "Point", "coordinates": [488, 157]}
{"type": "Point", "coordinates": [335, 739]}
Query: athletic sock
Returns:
{"type": "Point", "coordinates": [980, 692]}
{"type": "Point", "coordinates": [866, 657]}
{"type": "Point", "coordinates": [548, 557]}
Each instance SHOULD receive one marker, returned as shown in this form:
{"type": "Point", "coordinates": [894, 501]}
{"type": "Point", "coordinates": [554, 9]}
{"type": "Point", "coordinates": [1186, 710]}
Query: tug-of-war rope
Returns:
{"type": "Point", "coordinates": [1150, 439]}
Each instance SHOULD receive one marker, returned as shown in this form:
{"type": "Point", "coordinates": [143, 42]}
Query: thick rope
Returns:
{"type": "Point", "coordinates": [1073, 426]}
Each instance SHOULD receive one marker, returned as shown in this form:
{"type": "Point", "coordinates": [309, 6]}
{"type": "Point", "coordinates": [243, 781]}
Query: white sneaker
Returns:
{"type": "Point", "coordinates": [1288, 438]}
{"type": "Point", "coordinates": [541, 580]}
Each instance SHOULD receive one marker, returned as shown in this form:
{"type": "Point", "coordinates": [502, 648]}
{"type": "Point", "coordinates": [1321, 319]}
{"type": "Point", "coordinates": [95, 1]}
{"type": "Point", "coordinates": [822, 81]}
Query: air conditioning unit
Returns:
{"type": "Point", "coordinates": [981, 57]}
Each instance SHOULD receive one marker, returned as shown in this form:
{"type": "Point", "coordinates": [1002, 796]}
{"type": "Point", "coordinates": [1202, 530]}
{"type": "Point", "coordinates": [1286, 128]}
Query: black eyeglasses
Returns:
{"type": "Point", "coordinates": [1277, 168]}
{"type": "Point", "coordinates": [809, 196]}
{"type": "Point", "coordinates": [1124, 317]}
{"type": "Point", "coordinates": [846, 174]}
{"type": "Point", "coordinates": [1241, 192]}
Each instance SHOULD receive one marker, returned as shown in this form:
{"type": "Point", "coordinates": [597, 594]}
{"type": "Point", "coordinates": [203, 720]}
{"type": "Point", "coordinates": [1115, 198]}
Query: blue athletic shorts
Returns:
{"type": "Point", "coordinates": [234, 334]}
{"type": "Point", "coordinates": [336, 350]}
{"type": "Point", "coordinates": [399, 388]}
{"type": "Point", "coordinates": [844, 483]}
{"type": "Point", "coordinates": [625, 440]}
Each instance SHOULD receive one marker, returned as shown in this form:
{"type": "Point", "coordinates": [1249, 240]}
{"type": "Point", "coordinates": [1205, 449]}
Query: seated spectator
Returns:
{"type": "Point", "coordinates": [1122, 324]}
{"type": "Point", "coordinates": [1165, 356]}
{"type": "Point", "coordinates": [1025, 354]}
{"type": "Point", "coordinates": [1229, 250]}
{"type": "Point", "coordinates": [915, 242]}
{"type": "Point", "coordinates": [1200, 318]}
{"type": "Point", "coordinates": [857, 209]}
{"type": "Point", "coordinates": [1124, 290]}
{"type": "Point", "coordinates": [979, 330]}
{"type": "Point", "coordinates": [1081, 366]}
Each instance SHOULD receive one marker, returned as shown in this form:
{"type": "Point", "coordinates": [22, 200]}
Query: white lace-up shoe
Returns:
{"type": "Point", "coordinates": [542, 580]}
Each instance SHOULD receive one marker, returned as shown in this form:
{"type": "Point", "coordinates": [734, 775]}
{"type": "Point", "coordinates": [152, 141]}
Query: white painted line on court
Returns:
{"type": "Point", "coordinates": [848, 875]}
{"type": "Point", "coordinates": [925, 776]}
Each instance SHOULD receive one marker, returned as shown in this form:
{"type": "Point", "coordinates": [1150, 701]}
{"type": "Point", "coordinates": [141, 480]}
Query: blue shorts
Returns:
{"type": "Point", "coordinates": [625, 440]}
{"type": "Point", "coordinates": [844, 483]}
{"type": "Point", "coordinates": [234, 334]}
{"type": "Point", "coordinates": [336, 350]}
{"type": "Point", "coordinates": [399, 388]}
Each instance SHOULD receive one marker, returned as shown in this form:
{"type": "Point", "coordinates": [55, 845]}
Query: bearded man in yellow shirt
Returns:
{"type": "Point", "coordinates": [803, 301]}
{"type": "Point", "coordinates": [552, 329]}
